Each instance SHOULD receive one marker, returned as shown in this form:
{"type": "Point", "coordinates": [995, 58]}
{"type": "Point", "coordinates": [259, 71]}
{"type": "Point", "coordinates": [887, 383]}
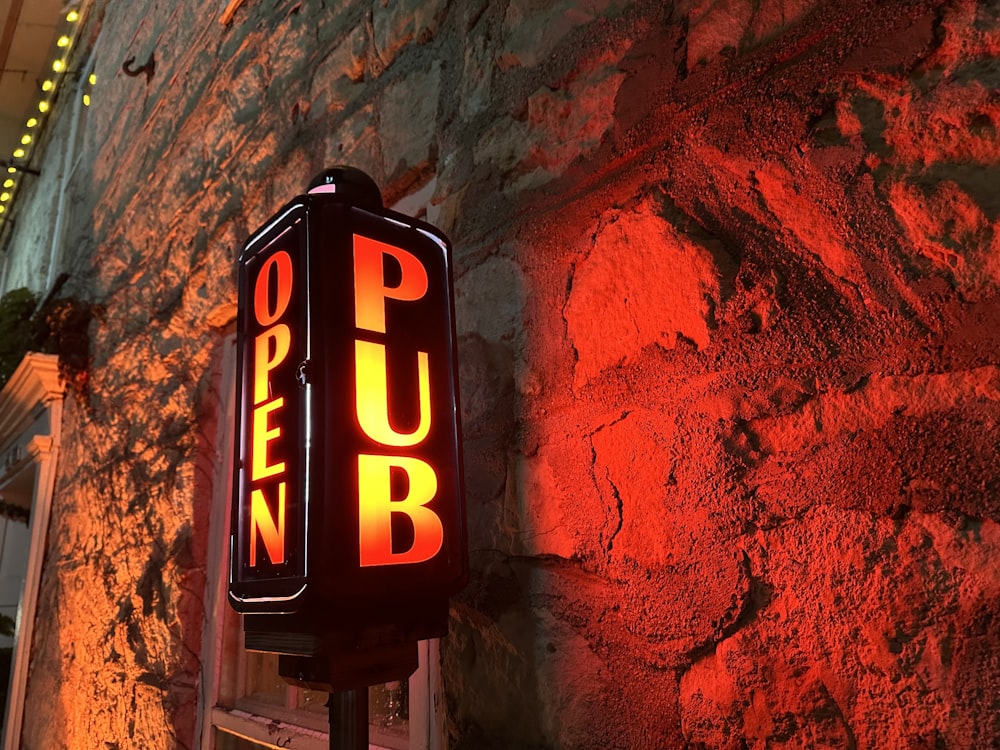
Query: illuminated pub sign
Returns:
{"type": "Point", "coordinates": [347, 491]}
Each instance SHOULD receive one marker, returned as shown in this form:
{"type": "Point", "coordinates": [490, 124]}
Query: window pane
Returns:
{"type": "Point", "coordinates": [315, 701]}
{"type": "Point", "coordinates": [226, 741]}
{"type": "Point", "coordinates": [389, 706]}
{"type": "Point", "coordinates": [263, 683]}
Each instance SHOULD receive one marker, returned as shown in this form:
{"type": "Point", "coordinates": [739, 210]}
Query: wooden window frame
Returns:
{"type": "Point", "coordinates": [220, 705]}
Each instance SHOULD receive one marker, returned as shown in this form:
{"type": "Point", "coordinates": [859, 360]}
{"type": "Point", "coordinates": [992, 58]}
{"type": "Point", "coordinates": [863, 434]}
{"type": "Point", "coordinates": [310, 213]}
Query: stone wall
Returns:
{"type": "Point", "coordinates": [727, 278]}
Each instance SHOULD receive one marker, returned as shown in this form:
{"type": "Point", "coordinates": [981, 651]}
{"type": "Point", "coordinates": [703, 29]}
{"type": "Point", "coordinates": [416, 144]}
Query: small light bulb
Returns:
{"type": "Point", "coordinates": [72, 16]}
{"type": "Point", "coordinates": [63, 41]}
{"type": "Point", "coordinates": [4, 197]}
{"type": "Point", "coordinates": [92, 78]}
{"type": "Point", "coordinates": [58, 65]}
{"type": "Point", "coordinates": [25, 140]}
{"type": "Point", "coordinates": [19, 153]}
{"type": "Point", "coordinates": [47, 85]}
{"type": "Point", "coordinates": [2, 209]}
{"type": "Point", "coordinates": [8, 183]}
{"type": "Point", "coordinates": [11, 170]}
{"type": "Point", "coordinates": [86, 100]}
{"type": "Point", "coordinates": [43, 106]}
{"type": "Point", "coordinates": [32, 122]}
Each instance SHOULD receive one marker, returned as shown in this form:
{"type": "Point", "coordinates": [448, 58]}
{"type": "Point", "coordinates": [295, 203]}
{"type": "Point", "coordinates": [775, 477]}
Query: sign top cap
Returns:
{"type": "Point", "coordinates": [350, 183]}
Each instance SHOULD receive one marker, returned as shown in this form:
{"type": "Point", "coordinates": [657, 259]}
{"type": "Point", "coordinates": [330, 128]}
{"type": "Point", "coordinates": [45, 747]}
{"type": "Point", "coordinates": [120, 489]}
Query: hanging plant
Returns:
{"type": "Point", "coordinates": [18, 333]}
{"type": "Point", "coordinates": [14, 513]}
{"type": "Point", "coordinates": [58, 326]}
{"type": "Point", "coordinates": [64, 325]}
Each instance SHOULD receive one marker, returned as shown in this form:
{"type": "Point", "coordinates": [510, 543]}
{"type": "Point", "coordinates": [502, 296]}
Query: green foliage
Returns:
{"type": "Point", "coordinates": [59, 326]}
{"type": "Point", "coordinates": [18, 330]}
{"type": "Point", "coordinates": [15, 513]}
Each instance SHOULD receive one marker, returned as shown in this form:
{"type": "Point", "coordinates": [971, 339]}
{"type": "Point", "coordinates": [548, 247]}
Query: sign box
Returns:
{"type": "Point", "coordinates": [348, 508]}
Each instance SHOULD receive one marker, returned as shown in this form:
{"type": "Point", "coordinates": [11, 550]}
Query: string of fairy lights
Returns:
{"type": "Point", "coordinates": [17, 164]}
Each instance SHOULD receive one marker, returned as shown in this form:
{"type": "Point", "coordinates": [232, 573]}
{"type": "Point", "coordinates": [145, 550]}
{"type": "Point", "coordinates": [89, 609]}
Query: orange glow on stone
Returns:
{"type": "Point", "coordinates": [377, 506]}
{"type": "Point", "coordinates": [373, 396]}
{"type": "Point", "coordinates": [370, 290]}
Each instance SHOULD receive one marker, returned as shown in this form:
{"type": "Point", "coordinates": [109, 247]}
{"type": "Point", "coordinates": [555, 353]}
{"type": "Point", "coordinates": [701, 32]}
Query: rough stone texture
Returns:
{"type": "Point", "coordinates": [642, 284]}
{"type": "Point", "coordinates": [755, 501]}
{"type": "Point", "coordinates": [728, 293]}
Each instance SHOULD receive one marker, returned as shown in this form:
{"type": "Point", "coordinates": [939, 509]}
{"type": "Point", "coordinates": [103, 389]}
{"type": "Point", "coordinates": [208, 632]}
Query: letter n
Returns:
{"type": "Point", "coordinates": [261, 521]}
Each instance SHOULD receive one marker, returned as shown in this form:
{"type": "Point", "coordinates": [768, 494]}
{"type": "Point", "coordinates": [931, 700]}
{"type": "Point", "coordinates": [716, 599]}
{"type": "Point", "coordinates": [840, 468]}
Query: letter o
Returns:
{"type": "Point", "coordinates": [281, 262]}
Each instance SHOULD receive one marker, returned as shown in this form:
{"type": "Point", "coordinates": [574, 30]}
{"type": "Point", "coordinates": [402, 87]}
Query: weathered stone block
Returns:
{"type": "Point", "coordinates": [407, 125]}
{"type": "Point", "coordinates": [534, 28]}
{"type": "Point", "coordinates": [642, 283]}
{"type": "Point", "coordinates": [398, 24]}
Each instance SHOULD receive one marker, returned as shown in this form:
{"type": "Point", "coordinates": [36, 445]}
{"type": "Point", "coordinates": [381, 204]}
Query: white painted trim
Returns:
{"type": "Point", "coordinates": [35, 383]}
{"type": "Point", "coordinates": [436, 737]}
{"type": "Point", "coordinates": [278, 733]}
{"type": "Point", "coordinates": [282, 736]}
{"type": "Point", "coordinates": [218, 558]}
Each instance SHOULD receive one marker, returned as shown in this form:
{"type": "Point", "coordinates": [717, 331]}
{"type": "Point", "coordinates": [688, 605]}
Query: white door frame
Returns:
{"type": "Point", "coordinates": [30, 428]}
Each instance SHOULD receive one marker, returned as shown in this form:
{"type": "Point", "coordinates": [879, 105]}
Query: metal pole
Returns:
{"type": "Point", "coordinates": [349, 719]}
